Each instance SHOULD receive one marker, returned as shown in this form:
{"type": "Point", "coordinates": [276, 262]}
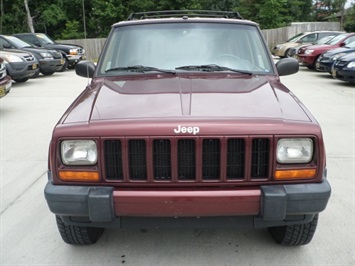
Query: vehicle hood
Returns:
{"type": "Point", "coordinates": [38, 50]}
{"type": "Point", "coordinates": [339, 50]}
{"type": "Point", "coordinates": [184, 97]}
{"type": "Point", "coordinates": [347, 58]}
{"type": "Point", "coordinates": [320, 47]}
{"type": "Point", "coordinates": [17, 52]}
{"type": "Point", "coordinates": [65, 47]}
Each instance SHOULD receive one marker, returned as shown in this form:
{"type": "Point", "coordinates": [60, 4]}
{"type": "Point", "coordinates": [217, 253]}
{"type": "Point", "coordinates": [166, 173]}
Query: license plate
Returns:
{"type": "Point", "coordinates": [2, 91]}
{"type": "Point", "coordinates": [34, 66]}
{"type": "Point", "coordinates": [317, 65]}
{"type": "Point", "coordinates": [62, 61]}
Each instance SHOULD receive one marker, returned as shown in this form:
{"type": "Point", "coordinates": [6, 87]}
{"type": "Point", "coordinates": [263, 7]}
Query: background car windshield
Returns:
{"type": "Point", "coordinates": [172, 45]}
{"type": "Point", "coordinates": [324, 40]}
{"type": "Point", "coordinates": [336, 39]}
{"type": "Point", "coordinates": [44, 39]}
{"type": "Point", "coordinates": [19, 43]}
{"type": "Point", "coordinates": [295, 38]}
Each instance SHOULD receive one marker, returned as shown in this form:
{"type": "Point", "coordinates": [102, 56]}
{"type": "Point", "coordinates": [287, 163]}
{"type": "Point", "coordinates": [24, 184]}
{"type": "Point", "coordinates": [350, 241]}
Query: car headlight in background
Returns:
{"type": "Point", "coordinates": [79, 152]}
{"type": "Point", "coordinates": [13, 58]}
{"type": "Point", "coordinates": [73, 51]}
{"type": "Point", "coordinates": [47, 55]}
{"type": "Point", "coordinates": [351, 64]}
{"type": "Point", "coordinates": [309, 51]}
{"type": "Point", "coordinates": [294, 150]}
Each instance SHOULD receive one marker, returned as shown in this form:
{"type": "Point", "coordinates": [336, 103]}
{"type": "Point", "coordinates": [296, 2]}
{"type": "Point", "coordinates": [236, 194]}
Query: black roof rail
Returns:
{"type": "Point", "coordinates": [184, 13]}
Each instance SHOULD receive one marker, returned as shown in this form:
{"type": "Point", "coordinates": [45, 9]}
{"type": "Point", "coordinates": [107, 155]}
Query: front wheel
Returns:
{"type": "Point", "coordinates": [288, 53]}
{"type": "Point", "coordinates": [78, 235]}
{"type": "Point", "coordinates": [294, 235]}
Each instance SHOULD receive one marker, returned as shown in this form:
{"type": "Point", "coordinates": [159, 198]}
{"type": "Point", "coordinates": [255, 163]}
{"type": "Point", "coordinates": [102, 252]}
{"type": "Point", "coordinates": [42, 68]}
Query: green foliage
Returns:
{"type": "Point", "coordinates": [72, 31]}
{"type": "Point", "coordinates": [62, 19]}
{"type": "Point", "coordinates": [350, 21]}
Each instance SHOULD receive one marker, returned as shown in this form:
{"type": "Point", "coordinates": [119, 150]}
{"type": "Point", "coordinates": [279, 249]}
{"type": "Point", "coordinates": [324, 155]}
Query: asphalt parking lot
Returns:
{"type": "Point", "coordinates": [29, 236]}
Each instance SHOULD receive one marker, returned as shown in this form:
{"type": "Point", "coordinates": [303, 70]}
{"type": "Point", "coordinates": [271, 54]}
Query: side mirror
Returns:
{"type": "Point", "coordinates": [342, 44]}
{"type": "Point", "coordinates": [85, 69]}
{"type": "Point", "coordinates": [37, 43]}
{"type": "Point", "coordinates": [7, 46]}
{"type": "Point", "coordinates": [287, 66]}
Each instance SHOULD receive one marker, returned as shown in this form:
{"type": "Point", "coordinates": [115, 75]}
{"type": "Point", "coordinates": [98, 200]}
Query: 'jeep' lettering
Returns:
{"type": "Point", "coordinates": [193, 130]}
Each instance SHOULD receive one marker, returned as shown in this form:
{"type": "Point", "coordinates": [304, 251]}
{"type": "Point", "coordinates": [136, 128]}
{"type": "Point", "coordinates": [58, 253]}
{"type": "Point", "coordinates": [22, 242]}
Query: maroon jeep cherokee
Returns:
{"type": "Point", "coordinates": [186, 124]}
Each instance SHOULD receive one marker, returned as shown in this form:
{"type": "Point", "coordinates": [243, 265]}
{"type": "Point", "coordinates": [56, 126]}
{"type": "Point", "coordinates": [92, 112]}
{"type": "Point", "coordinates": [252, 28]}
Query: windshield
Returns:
{"type": "Point", "coordinates": [324, 40]}
{"type": "Point", "coordinates": [44, 39]}
{"type": "Point", "coordinates": [17, 42]}
{"type": "Point", "coordinates": [350, 45]}
{"type": "Point", "coordinates": [295, 38]}
{"type": "Point", "coordinates": [172, 46]}
{"type": "Point", "coordinates": [336, 39]}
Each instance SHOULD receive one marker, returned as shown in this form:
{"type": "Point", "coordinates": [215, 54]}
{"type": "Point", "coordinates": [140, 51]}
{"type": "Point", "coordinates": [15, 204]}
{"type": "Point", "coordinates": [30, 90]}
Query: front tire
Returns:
{"type": "Point", "coordinates": [294, 235]}
{"type": "Point", "coordinates": [288, 54]}
{"type": "Point", "coordinates": [78, 235]}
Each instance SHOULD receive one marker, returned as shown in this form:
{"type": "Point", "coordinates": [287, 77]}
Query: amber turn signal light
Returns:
{"type": "Point", "coordinates": [295, 174]}
{"type": "Point", "coordinates": [79, 176]}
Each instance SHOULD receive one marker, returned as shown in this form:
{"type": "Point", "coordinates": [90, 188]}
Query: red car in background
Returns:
{"type": "Point", "coordinates": [308, 55]}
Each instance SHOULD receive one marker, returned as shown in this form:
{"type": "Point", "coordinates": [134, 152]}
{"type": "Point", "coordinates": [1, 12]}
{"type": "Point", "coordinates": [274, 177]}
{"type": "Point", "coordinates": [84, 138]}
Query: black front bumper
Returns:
{"type": "Point", "coordinates": [280, 205]}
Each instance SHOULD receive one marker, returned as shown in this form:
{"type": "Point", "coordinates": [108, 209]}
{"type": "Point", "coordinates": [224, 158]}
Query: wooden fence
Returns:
{"type": "Point", "coordinates": [93, 47]}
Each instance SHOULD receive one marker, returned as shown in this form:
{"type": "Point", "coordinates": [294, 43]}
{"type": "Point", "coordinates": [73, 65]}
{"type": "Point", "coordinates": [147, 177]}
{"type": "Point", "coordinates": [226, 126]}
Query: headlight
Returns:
{"type": "Point", "coordinates": [79, 152]}
{"type": "Point", "coordinates": [335, 57]}
{"type": "Point", "coordinates": [13, 58]}
{"type": "Point", "coordinates": [73, 51]}
{"type": "Point", "coordinates": [298, 150]}
{"type": "Point", "coordinates": [47, 55]}
{"type": "Point", "coordinates": [309, 51]}
{"type": "Point", "coordinates": [351, 65]}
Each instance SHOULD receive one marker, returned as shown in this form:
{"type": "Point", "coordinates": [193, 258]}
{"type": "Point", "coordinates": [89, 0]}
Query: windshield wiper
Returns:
{"type": "Point", "coordinates": [139, 68]}
{"type": "Point", "coordinates": [211, 68]}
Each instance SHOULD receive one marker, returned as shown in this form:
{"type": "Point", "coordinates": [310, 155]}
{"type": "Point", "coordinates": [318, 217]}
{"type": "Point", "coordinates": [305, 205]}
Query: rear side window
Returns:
{"type": "Point", "coordinates": [310, 38]}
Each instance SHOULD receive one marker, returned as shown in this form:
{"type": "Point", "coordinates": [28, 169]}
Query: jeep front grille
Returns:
{"type": "Point", "coordinates": [201, 160]}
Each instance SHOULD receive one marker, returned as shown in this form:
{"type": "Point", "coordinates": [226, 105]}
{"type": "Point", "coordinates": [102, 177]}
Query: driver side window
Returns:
{"type": "Point", "coordinates": [309, 38]}
{"type": "Point", "coordinates": [4, 43]}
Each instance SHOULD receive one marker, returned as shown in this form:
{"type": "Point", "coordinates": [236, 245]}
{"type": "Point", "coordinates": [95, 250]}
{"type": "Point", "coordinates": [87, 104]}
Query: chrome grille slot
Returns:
{"type": "Point", "coordinates": [186, 159]}
{"type": "Point", "coordinates": [113, 160]}
{"type": "Point", "coordinates": [162, 159]}
{"type": "Point", "coordinates": [137, 157]}
{"type": "Point", "coordinates": [211, 153]}
{"type": "Point", "coordinates": [235, 158]}
{"type": "Point", "coordinates": [260, 158]}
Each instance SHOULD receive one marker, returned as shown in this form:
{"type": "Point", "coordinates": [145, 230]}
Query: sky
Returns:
{"type": "Point", "coordinates": [348, 3]}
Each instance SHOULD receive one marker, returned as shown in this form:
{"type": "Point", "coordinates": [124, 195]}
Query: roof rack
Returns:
{"type": "Point", "coordinates": [184, 13]}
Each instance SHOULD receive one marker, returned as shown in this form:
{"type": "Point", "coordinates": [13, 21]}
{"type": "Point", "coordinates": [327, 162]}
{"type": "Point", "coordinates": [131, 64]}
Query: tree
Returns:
{"type": "Point", "coordinates": [29, 18]}
{"type": "Point", "coordinates": [349, 25]}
